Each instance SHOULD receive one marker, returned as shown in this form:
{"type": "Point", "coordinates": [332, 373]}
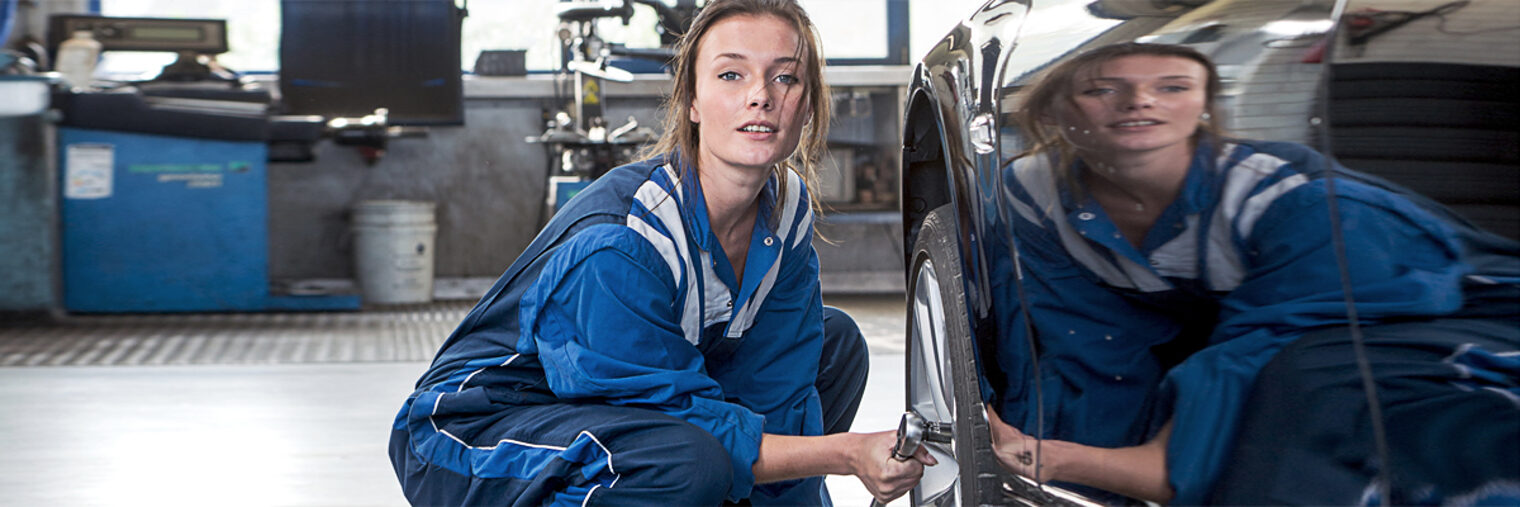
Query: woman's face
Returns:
{"type": "Point", "coordinates": [750, 85]}
{"type": "Point", "coordinates": [1135, 105]}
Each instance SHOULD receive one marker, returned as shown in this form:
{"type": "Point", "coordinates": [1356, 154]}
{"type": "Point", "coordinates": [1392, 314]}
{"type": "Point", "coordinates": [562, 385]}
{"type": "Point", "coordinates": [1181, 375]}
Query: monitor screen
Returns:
{"type": "Point", "coordinates": [346, 58]}
{"type": "Point", "coordinates": [167, 33]}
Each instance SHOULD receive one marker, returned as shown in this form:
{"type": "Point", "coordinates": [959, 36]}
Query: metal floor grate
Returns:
{"type": "Point", "coordinates": [401, 333]}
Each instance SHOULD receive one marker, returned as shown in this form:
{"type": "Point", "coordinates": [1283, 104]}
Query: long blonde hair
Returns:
{"type": "Point", "coordinates": [1052, 91]}
{"type": "Point", "coordinates": [680, 136]}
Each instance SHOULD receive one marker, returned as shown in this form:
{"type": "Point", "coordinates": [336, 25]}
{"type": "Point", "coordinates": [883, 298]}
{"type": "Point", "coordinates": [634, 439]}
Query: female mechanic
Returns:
{"type": "Point", "coordinates": [663, 340]}
{"type": "Point", "coordinates": [1172, 274]}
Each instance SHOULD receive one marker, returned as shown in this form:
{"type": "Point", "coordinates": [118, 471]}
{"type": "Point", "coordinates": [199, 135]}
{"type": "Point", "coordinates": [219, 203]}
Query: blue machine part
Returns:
{"type": "Point", "coordinates": [7, 13]}
{"type": "Point", "coordinates": [566, 190]}
{"type": "Point", "coordinates": [162, 224]}
{"type": "Point", "coordinates": [166, 224]}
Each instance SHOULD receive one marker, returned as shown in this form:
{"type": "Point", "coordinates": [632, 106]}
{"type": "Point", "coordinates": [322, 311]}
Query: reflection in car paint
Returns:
{"type": "Point", "coordinates": [1277, 85]}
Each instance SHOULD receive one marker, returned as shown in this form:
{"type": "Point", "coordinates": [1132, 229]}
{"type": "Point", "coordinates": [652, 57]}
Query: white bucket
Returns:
{"type": "Point", "coordinates": [393, 251]}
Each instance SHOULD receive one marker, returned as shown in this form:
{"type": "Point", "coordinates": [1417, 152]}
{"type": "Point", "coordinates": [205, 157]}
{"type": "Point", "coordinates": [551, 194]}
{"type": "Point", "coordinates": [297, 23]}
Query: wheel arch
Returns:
{"type": "Point", "coordinates": [927, 177]}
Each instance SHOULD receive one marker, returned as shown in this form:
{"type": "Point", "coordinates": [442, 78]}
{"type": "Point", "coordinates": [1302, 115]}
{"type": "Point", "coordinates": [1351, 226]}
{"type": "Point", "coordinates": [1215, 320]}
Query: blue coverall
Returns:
{"type": "Point", "coordinates": [1240, 265]}
{"type": "Point", "coordinates": [618, 361]}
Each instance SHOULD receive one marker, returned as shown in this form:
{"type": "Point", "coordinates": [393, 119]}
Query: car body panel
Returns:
{"type": "Point", "coordinates": [1277, 60]}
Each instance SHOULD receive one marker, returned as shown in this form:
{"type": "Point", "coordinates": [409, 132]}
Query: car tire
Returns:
{"type": "Point", "coordinates": [942, 382]}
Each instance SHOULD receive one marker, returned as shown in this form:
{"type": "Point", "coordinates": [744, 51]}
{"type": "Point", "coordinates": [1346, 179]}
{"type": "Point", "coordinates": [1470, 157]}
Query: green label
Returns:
{"type": "Point", "coordinates": [175, 168]}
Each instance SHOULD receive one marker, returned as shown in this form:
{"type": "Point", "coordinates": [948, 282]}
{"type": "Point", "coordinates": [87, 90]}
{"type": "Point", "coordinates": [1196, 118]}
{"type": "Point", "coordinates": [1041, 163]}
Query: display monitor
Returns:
{"type": "Point", "coordinates": [346, 58]}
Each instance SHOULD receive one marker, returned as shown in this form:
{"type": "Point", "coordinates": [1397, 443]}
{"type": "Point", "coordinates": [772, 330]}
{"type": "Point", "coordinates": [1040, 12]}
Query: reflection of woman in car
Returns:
{"type": "Point", "coordinates": [663, 341]}
{"type": "Point", "coordinates": [1172, 274]}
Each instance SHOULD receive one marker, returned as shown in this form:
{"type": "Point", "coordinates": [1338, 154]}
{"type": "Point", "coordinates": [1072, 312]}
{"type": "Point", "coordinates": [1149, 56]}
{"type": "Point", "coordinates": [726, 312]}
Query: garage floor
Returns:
{"type": "Point", "coordinates": [260, 409]}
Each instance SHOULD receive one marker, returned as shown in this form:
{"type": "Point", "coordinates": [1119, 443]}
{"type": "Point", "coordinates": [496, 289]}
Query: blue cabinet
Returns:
{"type": "Point", "coordinates": [154, 223]}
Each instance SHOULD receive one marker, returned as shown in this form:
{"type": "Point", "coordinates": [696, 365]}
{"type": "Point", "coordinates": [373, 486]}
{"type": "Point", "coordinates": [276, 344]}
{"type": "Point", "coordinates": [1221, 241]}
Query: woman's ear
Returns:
{"type": "Point", "coordinates": [693, 115]}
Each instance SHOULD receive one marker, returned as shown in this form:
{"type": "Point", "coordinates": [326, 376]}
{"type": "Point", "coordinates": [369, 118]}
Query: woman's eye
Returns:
{"type": "Point", "coordinates": [787, 79]}
{"type": "Point", "coordinates": [729, 76]}
{"type": "Point", "coordinates": [1094, 92]}
{"type": "Point", "coordinates": [1174, 89]}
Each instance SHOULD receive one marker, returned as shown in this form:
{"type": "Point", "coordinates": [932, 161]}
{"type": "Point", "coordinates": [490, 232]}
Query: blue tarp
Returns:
{"type": "Point", "coordinates": [7, 13]}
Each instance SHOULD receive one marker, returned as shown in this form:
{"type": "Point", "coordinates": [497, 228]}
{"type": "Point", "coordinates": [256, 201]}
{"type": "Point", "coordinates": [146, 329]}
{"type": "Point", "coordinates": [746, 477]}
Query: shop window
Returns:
{"type": "Point", "coordinates": [853, 31]}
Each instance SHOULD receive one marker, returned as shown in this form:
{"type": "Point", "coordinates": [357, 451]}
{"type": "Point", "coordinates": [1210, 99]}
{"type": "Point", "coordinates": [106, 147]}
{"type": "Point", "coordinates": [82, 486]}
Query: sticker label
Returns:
{"type": "Point", "coordinates": [196, 175]}
{"type": "Point", "coordinates": [88, 171]}
{"type": "Point", "coordinates": [193, 180]}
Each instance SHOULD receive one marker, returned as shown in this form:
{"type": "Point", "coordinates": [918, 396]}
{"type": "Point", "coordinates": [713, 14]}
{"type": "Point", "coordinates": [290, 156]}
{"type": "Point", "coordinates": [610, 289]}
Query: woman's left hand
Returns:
{"type": "Point", "coordinates": [1137, 471]}
{"type": "Point", "coordinates": [1017, 451]}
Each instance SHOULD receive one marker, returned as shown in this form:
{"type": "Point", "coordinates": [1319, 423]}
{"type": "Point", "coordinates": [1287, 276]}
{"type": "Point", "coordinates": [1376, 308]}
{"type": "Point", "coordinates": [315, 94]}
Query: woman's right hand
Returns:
{"type": "Point", "coordinates": [884, 476]}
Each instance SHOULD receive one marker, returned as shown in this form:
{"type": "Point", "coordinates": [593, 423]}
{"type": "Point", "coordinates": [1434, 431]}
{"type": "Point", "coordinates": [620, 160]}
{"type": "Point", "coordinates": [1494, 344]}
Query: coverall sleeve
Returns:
{"type": "Point", "coordinates": [603, 318]}
{"type": "Point", "coordinates": [1402, 263]}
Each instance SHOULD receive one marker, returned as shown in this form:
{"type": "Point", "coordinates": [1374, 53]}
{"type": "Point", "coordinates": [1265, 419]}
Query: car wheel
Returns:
{"type": "Point", "coordinates": [942, 374]}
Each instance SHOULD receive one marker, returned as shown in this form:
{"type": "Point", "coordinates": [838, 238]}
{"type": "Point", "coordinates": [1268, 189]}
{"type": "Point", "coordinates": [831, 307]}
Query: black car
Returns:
{"type": "Point", "coordinates": [1419, 92]}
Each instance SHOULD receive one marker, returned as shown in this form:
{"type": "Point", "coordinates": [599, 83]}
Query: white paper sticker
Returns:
{"type": "Point", "coordinates": [88, 171]}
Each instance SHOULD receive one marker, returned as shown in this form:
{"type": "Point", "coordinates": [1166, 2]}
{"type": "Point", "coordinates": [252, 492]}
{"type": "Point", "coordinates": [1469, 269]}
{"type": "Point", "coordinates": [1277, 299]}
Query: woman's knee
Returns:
{"type": "Point", "coordinates": [672, 462]}
{"type": "Point", "coordinates": [841, 329]}
{"type": "Point", "coordinates": [844, 347]}
{"type": "Point", "coordinates": [842, 370]}
{"type": "Point", "coordinates": [706, 470]}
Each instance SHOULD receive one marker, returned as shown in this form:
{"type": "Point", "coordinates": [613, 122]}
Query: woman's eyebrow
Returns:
{"type": "Point", "coordinates": [741, 56]}
{"type": "Point", "coordinates": [1179, 76]}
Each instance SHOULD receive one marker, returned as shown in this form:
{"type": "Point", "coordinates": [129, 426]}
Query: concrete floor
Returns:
{"type": "Point", "coordinates": [270, 434]}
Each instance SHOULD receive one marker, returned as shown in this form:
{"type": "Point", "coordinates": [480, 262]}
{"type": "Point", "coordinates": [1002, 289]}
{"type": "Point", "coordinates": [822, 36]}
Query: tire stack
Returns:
{"type": "Point", "coordinates": [1448, 131]}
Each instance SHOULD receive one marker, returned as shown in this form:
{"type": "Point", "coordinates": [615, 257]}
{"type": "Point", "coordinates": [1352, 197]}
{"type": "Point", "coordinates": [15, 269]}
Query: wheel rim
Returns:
{"type": "Point", "coordinates": [931, 391]}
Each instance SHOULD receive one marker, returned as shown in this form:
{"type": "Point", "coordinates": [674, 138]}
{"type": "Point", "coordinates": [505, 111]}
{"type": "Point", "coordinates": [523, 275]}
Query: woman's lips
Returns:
{"type": "Point", "coordinates": [758, 130]}
{"type": "Point", "coordinates": [758, 127]}
{"type": "Point", "coordinates": [1133, 124]}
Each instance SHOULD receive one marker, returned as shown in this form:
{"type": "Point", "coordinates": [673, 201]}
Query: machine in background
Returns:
{"type": "Point", "coordinates": [164, 204]}
{"type": "Point", "coordinates": [583, 145]}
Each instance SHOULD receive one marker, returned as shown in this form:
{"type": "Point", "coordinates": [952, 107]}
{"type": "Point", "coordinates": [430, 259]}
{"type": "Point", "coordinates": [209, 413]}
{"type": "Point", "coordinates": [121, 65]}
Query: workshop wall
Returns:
{"type": "Point", "coordinates": [487, 182]}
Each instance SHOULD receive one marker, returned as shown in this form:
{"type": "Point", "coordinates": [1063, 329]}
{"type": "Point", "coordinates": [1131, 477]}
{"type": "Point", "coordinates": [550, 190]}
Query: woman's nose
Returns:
{"type": "Point", "coordinates": [1139, 100]}
{"type": "Point", "coordinates": [761, 98]}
